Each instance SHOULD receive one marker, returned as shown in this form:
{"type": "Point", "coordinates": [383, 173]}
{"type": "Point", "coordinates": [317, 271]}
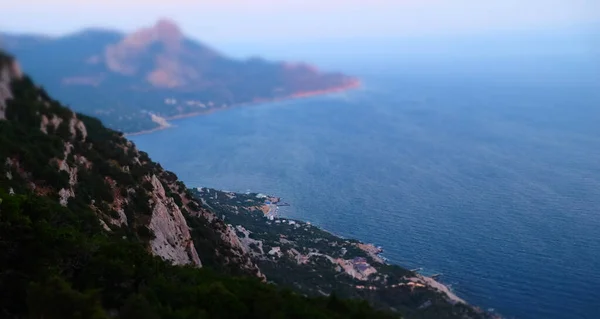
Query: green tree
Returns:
{"type": "Point", "coordinates": [55, 299]}
{"type": "Point", "coordinates": [137, 307]}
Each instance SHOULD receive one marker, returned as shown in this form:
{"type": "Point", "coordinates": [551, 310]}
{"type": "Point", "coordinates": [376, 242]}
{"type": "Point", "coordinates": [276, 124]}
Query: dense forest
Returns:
{"type": "Point", "coordinates": [59, 263]}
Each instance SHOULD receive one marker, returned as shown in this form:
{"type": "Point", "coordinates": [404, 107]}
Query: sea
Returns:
{"type": "Point", "coordinates": [486, 173]}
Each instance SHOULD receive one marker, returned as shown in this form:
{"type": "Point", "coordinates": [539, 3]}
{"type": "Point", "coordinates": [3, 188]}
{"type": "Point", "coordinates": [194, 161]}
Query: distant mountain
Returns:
{"type": "Point", "coordinates": [133, 81]}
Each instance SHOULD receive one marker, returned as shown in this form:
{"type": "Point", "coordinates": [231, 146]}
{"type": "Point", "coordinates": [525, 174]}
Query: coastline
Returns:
{"type": "Point", "coordinates": [375, 253]}
{"type": "Point", "coordinates": [355, 84]}
{"type": "Point", "coordinates": [263, 204]}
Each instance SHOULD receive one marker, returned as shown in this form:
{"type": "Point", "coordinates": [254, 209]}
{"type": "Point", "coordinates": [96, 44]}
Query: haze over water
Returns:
{"type": "Point", "coordinates": [490, 177]}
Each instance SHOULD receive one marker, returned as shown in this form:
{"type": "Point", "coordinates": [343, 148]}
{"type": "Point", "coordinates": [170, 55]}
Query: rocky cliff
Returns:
{"type": "Point", "coordinates": [51, 151]}
{"type": "Point", "coordinates": [10, 71]}
{"type": "Point", "coordinates": [172, 239]}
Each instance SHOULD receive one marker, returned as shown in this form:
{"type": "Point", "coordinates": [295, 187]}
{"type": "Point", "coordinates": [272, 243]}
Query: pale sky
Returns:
{"type": "Point", "coordinates": [237, 20]}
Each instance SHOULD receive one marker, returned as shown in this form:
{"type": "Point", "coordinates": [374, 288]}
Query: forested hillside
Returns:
{"type": "Point", "coordinates": [90, 227]}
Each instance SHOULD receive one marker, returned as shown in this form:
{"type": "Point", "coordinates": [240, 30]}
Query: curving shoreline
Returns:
{"type": "Point", "coordinates": [163, 125]}
{"type": "Point", "coordinates": [301, 237]}
{"type": "Point", "coordinates": [371, 249]}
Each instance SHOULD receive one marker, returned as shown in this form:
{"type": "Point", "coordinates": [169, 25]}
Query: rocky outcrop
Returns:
{"type": "Point", "coordinates": [230, 243]}
{"type": "Point", "coordinates": [64, 195]}
{"type": "Point", "coordinates": [8, 72]}
{"type": "Point", "coordinates": [249, 243]}
{"type": "Point", "coordinates": [243, 256]}
{"type": "Point", "coordinates": [54, 121]}
{"type": "Point", "coordinates": [118, 203]}
{"type": "Point", "coordinates": [121, 57]}
{"type": "Point", "coordinates": [75, 125]}
{"type": "Point", "coordinates": [172, 239]}
{"type": "Point", "coordinates": [168, 69]}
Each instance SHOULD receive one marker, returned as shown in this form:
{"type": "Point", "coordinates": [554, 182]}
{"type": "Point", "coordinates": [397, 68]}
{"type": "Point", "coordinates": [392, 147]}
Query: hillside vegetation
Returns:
{"type": "Point", "coordinates": [59, 263]}
{"type": "Point", "coordinates": [90, 227]}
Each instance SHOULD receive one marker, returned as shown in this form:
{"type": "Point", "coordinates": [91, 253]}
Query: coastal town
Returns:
{"type": "Point", "coordinates": [298, 254]}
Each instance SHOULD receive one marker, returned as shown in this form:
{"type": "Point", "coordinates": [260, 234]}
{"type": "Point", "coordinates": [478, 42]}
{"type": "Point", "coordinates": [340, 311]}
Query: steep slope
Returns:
{"type": "Point", "coordinates": [126, 79]}
{"type": "Point", "coordinates": [90, 227]}
{"type": "Point", "coordinates": [51, 151]}
{"type": "Point", "coordinates": [11, 71]}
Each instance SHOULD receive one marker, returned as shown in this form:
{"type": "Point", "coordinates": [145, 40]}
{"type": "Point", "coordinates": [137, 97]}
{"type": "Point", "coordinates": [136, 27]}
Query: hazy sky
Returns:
{"type": "Point", "coordinates": [233, 20]}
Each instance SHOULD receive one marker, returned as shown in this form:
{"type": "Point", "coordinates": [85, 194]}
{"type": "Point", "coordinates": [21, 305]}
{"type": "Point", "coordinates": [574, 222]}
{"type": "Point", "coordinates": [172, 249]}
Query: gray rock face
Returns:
{"type": "Point", "coordinates": [76, 125]}
{"type": "Point", "coordinates": [172, 240]}
{"type": "Point", "coordinates": [7, 74]}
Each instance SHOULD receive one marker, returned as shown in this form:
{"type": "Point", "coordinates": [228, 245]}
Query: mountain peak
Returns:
{"type": "Point", "coordinates": [167, 28]}
{"type": "Point", "coordinates": [164, 30]}
{"type": "Point", "coordinates": [123, 57]}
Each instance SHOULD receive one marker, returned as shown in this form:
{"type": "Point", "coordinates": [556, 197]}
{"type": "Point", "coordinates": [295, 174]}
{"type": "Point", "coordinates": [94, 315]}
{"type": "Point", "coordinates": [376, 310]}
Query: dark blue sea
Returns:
{"type": "Point", "coordinates": [488, 176]}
